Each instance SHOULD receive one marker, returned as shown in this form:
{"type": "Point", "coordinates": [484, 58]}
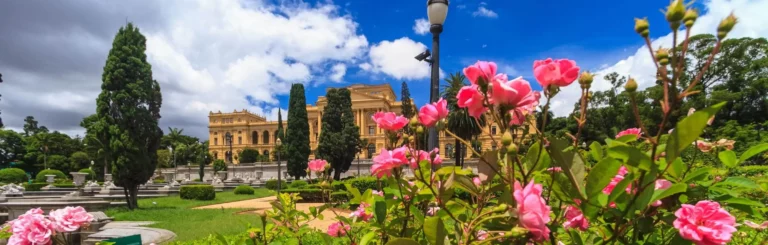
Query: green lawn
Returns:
{"type": "Point", "coordinates": [174, 214]}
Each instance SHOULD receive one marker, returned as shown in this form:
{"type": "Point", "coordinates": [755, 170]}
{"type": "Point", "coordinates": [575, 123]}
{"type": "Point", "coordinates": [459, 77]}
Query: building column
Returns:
{"type": "Point", "coordinates": [361, 121]}
{"type": "Point", "coordinates": [319, 122]}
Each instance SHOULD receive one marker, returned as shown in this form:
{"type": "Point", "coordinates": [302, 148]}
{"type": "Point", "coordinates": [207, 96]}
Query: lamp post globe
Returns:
{"type": "Point", "coordinates": [278, 143]}
{"type": "Point", "coordinates": [437, 10]}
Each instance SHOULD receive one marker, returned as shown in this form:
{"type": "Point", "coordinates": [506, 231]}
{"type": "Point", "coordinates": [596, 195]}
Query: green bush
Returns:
{"type": "Point", "coordinates": [13, 175]}
{"type": "Point", "coordinates": [272, 184]}
{"type": "Point", "coordinates": [197, 192]}
{"type": "Point", "coordinates": [362, 184]}
{"type": "Point", "coordinates": [244, 190]}
{"type": "Point", "coordinates": [159, 181]}
{"type": "Point", "coordinates": [749, 171]}
{"type": "Point", "coordinates": [91, 174]}
{"type": "Point", "coordinates": [307, 195]}
{"type": "Point", "coordinates": [339, 196]}
{"type": "Point", "coordinates": [34, 186]}
{"type": "Point", "coordinates": [219, 165]}
{"type": "Point", "coordinates": [298, 184]}
{"type": "Point", "coordinates": [40, 177]}
{"type": "Point", "coordinates": [64, 185]}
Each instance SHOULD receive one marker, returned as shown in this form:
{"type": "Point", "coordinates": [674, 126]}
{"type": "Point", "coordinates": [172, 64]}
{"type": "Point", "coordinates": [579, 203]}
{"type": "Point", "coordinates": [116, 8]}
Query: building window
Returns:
{"type": "Point", "coordinates": [239, 132]}
{"type": "Point", "coordinates": [254, 137]}
{"type": "Point", "coordinates": [371, 150]}
{"type": "Point", "coordinates": [215, 141]}
{"type": "Point", "coordinates": [266, 154]}
{"type": "Point", "coordinates": [371, 130]}
{"type": "Point", "coordinates": [265, 137]}
{"type": "Point", "coordinates": [448, 150]}
{"type": "Point", "coordinates": [215, 155]}
{"type": "Point", "coordinates": [493, 130]}
{"type": "Point", "coordinates": [239, 140]}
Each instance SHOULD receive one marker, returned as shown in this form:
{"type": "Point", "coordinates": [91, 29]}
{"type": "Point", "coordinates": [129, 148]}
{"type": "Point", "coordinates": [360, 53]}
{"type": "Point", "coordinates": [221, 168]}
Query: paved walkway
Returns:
{"type": "Point", "coordinates": [259, 205]}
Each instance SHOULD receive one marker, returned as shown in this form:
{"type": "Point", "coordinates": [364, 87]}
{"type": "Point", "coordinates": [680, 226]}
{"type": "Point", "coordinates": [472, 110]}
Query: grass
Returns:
{"type": "Point", "coordinates": [175, 214]}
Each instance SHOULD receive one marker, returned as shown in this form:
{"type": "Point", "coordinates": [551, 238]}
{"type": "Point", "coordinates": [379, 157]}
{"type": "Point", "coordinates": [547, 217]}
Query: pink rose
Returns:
{"type": "Point", "coordinates": [431, 211]}
{"type": "Point", "coordinates": [386, 161]}
{"type": "Point", "coordinates": [378, 193]}
{"type": "Point", "coordinates": [476, 181]}
{"type": "Point", "coordinates": [389, 121]}
{"type": "Point", "coordinates": [704, 224]}
{"type": "Point", "coordinates": [756, 226]}
{"type": "Point", "coordinates": [31, 228]}
{"type": "Point", "coordinates": [533, 212]}
{"type": "Point", "coordinates": [725, 143]}
{"type": "Point", "coordinates": [574, 218]}
{"type": "Point", "coordinates": [704, 146]}
{"type": "Point", "coordinates": [516, 92]}
{"type": "Point", "coordinates": [616, 179]}
{"type": "Point", "coordinates": [555, 169]}
{"type": "Point", "coordinates": [480, 72]}
{"type": "Point", "coordinates": [317, 165]}
{"type": "Point", "coordinates": [419, 155]}
{"type": "Point", "coordinates": [661, 184]}
{"type": "Point", "coordinates": [429, 114]}
{"type": "Point", "coordinates": [360, 212]}
{"type": "Point", "coordinates": [482, 235]}
{"type": "Point", "coordinates": [470, 97]}
{"type": "Point", "coordinates": [560, 73]}
{"type": "Point", "coordinates": [70, 219]}
{"type": "Point", "coordinates": [634, 131]}
{"type": "Point", "coordinates": [338, 229]}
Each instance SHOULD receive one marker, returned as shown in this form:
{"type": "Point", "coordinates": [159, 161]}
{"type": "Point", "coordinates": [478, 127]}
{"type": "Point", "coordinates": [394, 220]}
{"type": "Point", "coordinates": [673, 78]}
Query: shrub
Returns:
{"type": "Point", "coordinates": [197, 192]}
{"type": "Point", "coordinates": [158, 181]}
{"type": "Point", "coordinates": [362, 184]}
{"type": "Point", "coordinates": [244, 190]}
{"type": "Point", "coordinates": [749, 171]}
{"type": "Point", "coordinates": [64, 185]}
{"type": "Point", "coordinates": [13, 175]}
{"type": "Point", "coordinates": [272, 184]}
{"type": "Point", "coordinates": [40, 177]}
{"type": "Point", "coordinates": [307, 195]}
{"type": "Point", "coordinates": [34, 186]}
{"type": "Point", "coordinates": [298, 184]}
{"type": "Point", "coordinates": [91, 174]}
{"type": "Point", "coordinates": [219, 165]}
{"type": "Point", "coordinates": [339, 196]}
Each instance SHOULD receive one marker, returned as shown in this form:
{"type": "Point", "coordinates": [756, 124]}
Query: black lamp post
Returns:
{"type": "Point", "coordinates": [278, 143]}
{"type": "Point", "coordinates": [437, 10]}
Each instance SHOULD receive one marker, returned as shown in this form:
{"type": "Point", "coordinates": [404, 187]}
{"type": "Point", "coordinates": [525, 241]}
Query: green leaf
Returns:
{"type": "Point", "coordinates": [696, 174]}
{"type": "Point", "coordinates": [752, 151]}
{"type": "Point", "coordinates": [367, 237]}
{"type": "Point", "coordinates": [487, 166]}
{"type": "Point", "coordinates": [466, 184]}
{"type": "Point", "coordinates": [434, 229]}
{"type": "Point", "coordinates": [599, 177]}
{"type": "Point", "coordinates": [743, 201]}
{"type": "Point", "coordinates": [632, 156]}
{"type": "Point", "coordinates": [674, 189]}
{"type": "Point", "coordinates": [728, 158]}
{"type": "Point", "coordinates": [688, 130]}
{"type": "Point", "coordinates": [575, 237]}
{"type": "Point", "coordinates": [677, 168]}
{"type": "Point", "coordinates": [222, 239]}
{"type": "Point", "coordinates": [402, 241]}
{"type": "Point", "coordinates": [533, 155]}
{"type": "Point", "coordinates": [620, 187]}
{"type": "Point", "coordinates": [738, 182]}
{"type": "Point", "coordinates": [627, 138]}
{"type": "Point", "coordinates": [572, 164]}
{"type": "Point", "coordinates": [596, 150]}
{"type": "Point", "coordinates": [380, 211]}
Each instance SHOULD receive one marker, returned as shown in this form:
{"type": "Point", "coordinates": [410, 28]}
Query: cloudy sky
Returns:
{"type": "Point", "coordinates": [235, 54]}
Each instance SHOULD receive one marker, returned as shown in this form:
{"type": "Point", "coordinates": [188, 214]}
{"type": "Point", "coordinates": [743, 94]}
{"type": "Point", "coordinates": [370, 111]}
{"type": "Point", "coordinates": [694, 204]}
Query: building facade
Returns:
{"type": "Point", "coordinates": [253, 131]}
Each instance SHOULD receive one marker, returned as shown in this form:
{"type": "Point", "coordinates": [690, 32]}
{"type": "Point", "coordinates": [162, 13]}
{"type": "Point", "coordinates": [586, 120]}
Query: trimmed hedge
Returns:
{"type": "Point", "coordinates": [307, 195]}
{"type": "Point", "coordinates": [244, 190]}
{"type": "Point", "coordinates": [272, 184]}
{"type": "Point", "coordinates": [13, 175]}
{"type": "Point", "coordinates": [197, 192]}
{"type": "Point", "coordinates": [91, 174]}
{"type": "Point", "coordinates": [64, 185]}
{"type": "Point", "coordinates": [749, 171]}
{"type": "Point", "coordinates": [339, 196]}
{"type": "Point", "coordinates": [34, 186]}
{"type": "Point", "coordinates": [362, 184]}
{"type": "Point", "coordinates": [298, 184]}
{"type": "Point", "coordinates": [40, 177]}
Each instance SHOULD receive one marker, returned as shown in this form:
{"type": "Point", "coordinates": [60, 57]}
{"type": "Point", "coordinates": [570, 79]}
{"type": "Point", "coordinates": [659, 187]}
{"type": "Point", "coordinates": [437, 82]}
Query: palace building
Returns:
{"type": "Point", "coordinates": [249, 130]}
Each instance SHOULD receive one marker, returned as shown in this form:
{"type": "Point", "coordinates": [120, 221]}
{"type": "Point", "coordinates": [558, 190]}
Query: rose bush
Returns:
{"type": "Point", "coordinates": [33, 227]}
{"type": "Point", "coordinates": [632, 189]}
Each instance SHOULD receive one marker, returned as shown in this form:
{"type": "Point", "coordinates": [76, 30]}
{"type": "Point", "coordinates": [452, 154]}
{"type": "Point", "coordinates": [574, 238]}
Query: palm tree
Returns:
{"type": "Point", "coordinates": [174, 136]}
{"type": "Point", "coordinates": [459, 121]}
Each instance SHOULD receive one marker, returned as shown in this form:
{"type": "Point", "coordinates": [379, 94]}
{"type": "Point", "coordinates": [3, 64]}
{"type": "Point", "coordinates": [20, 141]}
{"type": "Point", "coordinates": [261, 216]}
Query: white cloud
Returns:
{"type": "Point", "coordinates": [482, 11]}
{"type": "Point", "coordinates": [421, 26]}
{"type": "Point", "coordinates": [338, 72]}
{"type": "Point", "coordinates": [395, 58]}
{"type": "Point", "coordinates": [242, 57]}
{"type": "Point", "coordinates": [639, 66]}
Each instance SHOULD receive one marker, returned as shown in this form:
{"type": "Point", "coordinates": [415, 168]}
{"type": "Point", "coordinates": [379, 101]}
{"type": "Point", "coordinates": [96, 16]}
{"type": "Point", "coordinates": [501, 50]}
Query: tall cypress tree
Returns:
{"type": "Point", "coordinates": [280, 132]}
{"type": "Point", "coordinates": [129, 108]}
{"type": "Point", "coordinates": [405, 96]}
{"type": "Point", "coordinates": [297, 136]}
{"type": "Point", "coordinates": [340, 136]}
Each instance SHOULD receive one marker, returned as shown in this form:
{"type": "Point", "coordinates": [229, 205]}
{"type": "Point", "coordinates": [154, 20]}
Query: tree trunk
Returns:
{"type": "Point", "coordinates": [134, 191]}
{"type": "Point", "coordinates": [127, 198]}
{"type": "Point", "coordinates": [336, 174]}
{"type": "Point", "coordinates": [456, 152]}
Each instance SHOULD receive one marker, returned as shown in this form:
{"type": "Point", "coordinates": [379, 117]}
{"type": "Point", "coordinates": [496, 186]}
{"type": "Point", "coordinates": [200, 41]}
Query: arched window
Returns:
{"type": "Point", "coordinates": [448, 150]}
{"type": "Point", "coordinates": [215, 155]}
{"type": "Point", "coordinates": [239, 140]}
{"type": "Point", "coordinates": [266, 154]}
{"type": "Point", "coordinates": [371, 150]}
{"type": "Point", "coordinates": [265, 137]}
{"type": "Point", "coordinates": [254, 137]}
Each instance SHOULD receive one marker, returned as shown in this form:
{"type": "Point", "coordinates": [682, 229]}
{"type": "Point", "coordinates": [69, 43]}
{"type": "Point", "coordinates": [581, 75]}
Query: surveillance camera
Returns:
{"type": "Point", "coordinates": [423, 56]}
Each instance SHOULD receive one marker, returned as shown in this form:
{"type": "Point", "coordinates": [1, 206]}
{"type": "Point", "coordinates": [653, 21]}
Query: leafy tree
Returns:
{"type": "Point", "coordinates": [129, 107]}
{"type": "Point", "coordinates": [459, 121]}
{"type": "Point", "coordinates": [175, 137]}
{"type": "Point", "coordinates": [79, 160]}
{"type": "Point", "coordinates": [59, 162]}
{"type": "Point", "coordinates": [339, 137]}
{"type": "Point", "coordinates": [11, 147]}
{"type": "Point", "coordinates": [249, 155]}
{"type": "Point", "coordinates": [164, 158]}
{"type": "Point", "coordinates": [31, 126]}
{"type": "Point", "coordinates": [297, 134]}
{"type": "Point", "coordinates": [95, 143]}
{"type": "Point", "coordinates": [408, 109]}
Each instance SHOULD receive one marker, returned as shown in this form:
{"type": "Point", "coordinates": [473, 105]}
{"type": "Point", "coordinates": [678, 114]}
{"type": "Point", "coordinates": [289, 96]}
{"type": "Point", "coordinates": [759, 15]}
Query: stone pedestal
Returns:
{"type": "Point", "coordinates": [49, 178]}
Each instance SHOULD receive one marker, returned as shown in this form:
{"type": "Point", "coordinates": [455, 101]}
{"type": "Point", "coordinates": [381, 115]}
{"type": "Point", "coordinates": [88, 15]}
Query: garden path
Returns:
{"type": "Point", "coordinates": [259, 205]}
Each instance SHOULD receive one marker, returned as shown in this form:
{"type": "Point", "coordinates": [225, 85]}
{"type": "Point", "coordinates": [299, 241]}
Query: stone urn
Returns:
{"type": "Point", "coordinates": [169, 177]}
{"type": "Point", "coordinates": [49, 178]}
{"type": "Point", "coordinates": [78, 178]}
{"type": "Point", "coordinates": [108, 177]}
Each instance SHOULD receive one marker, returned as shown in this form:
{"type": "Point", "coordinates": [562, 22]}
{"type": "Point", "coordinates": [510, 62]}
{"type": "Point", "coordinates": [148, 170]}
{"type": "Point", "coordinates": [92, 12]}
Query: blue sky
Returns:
{"type": "Point", "coordinates": [227, 55]}
{"type": "Point", "coordinates": [595, 34]}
